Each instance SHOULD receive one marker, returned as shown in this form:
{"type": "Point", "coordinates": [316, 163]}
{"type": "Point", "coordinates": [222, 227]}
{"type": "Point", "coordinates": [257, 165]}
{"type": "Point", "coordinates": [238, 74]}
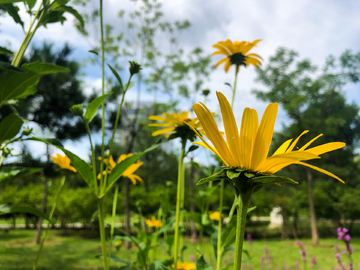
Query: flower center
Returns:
{"type": "Point", "coordinates": [237, 59]}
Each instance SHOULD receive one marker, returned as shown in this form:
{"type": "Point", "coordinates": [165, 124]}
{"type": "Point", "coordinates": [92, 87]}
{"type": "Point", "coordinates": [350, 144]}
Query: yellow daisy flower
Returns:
{"type": "Point", "coordinates": [248, 150]}
{"type": "Point", "coordinates": [129, 173]}
{"type": "Point", "coordinates": [185, 266]}
{"type": "Point", "coordinates": [237, 54]}
{"type": "Point", "coordinates": [214, 215]}
{"type": "Point", "coordinates": [63, 162]}
{"type": "Point", "coordinates": [176, 125]}
{"type": "Point", "coordinates": [153, 222]}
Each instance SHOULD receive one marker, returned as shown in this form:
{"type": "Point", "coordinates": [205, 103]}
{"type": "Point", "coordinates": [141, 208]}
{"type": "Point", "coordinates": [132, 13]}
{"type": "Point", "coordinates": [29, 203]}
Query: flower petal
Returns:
{"type": "Point", "coordinates": [282, 148]}
{"type": "Point", "coordinates": [310, 142]}
{"type": "Point", "coordinates": [162, 131]}
{"type": "Point", "coordinates": [222, 61]}
{"type": "Point", "coordinates": [328, 147]}
{"type": "Point", "coordinates": [264, 136]}
{"type": "Point", "coordinates": [291, 147]}
{"type": "Point", "coordinates": [320, 170]}
{"type": "Point", "coordinates": [231, 129]}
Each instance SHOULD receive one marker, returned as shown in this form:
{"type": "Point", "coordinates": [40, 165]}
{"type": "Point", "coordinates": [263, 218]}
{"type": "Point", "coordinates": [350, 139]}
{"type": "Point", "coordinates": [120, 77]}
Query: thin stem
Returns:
{"type": "Point", "coordinates": [178, 198]}
{"type": "Point", "coordinates": [243, 201]}
{"type": "Point", "coordinates": [232, 210]}
{"type": "Point", "coordinates": [113, 219]}
{"type": "Point", "coordinates": [102, 232]}
{"type": "Point", "coordinates": [62, 183]}
{"type": "Point", "coordinates": [114, 130]}
{"type": "Point", "coordinates": [92, 158]}
{"type": "Point", "coordinates": [102, 187]}
{"type": "Point", "coordinates": [234, 89]}
{"type": "Point", "coordinates": [219, 249]}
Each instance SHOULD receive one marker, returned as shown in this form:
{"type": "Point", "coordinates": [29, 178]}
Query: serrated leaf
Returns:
{"type": "Point", "coordinates": [272, 179]}
{"type": "Point", "coordinates": [14, 13]}
{"type": "Point", "coordinates": [80, 165]}
{"type": "Point", "coordinates": [232, 174]}
{"type": "Point", "coordinates": [117, 76]}
{"type": "Point", "coordinates": [201, 264]}
{"type": "Point", "coordinates": [121, 167]}
{"type": "Point", "coordinates": [217, 176]}
{"type": "Point", "coordinates": [9, 127]}
{"type": "Point", "coordinates": [6, 209]}
{"type": "Point", "coordinates": [73, 12]}
{"type": "Point", "coordinates": [93, 107]}
{"type": "Point", "coordinates": [8, 66]}
{"type": "Point", "coordinates": [5, 51]}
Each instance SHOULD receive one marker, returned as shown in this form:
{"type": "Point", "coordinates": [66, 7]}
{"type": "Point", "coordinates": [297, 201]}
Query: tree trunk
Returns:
{"type": "Point", "coordinates": [284, 229]}
{"type": "Point", "coordinates": [314, 231]}
{"type": "Point", "coordinates": [43, 209]}
{"type": "Point", "coordinates": [295, 224]}
{"type": "Point", "coordinates": [192, 202]}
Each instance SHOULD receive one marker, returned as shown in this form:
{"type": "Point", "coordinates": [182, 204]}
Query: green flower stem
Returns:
{"type": "Point", "coordinates": [113, 219]}
{"type": "Point", "coordinates": [102, 232]}
{"type": "Point", "coordinates": [219, 249]}
{"type": "Point", "coordinates": [102, 187]}
{"type": "Point", "coordinates": [62, 183]}
{"type": "Point", "coordinates": [243, 201]}
{"type": "Point", "coordinates": [232, 210]}
{"type": "Point", "coordinates": [92, 158]}
{"type": "Point", "coordinates": [28, 36]}
{"type": "Point", "coordinates": [114, 131]}
{"type": "Point", "coordinates": [234, 89]}
{"type": "Point", "coordinates": [178, 198]}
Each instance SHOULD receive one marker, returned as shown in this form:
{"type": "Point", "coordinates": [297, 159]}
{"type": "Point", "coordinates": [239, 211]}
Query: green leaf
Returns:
{"type": "Point", "coordinates": [10, 252]}
{"type": "Point", "coordinates": [201, 264]}
{"type": "Point", "coordinates": [227, 249]}
{"type": "Point", "coordinates": [93, 107]}
{"type": "Point", "coordinates": [157, 265]}
{"type": "Point", "coordinates": [9, 172]}
{"type": "Point", "coordinates": [73, 12]}
{"type": "Point", "coordinates": [228, 267]}
{"type": "Point", "coordinates": [31, 3]}
{"type": "Point", "coordinates": [94, 52]}
{"type": "Point", "coordinates": [6, 209]}
{"type": "Point", "coordinates": [9, 127]}
{"type": "Point", "coordinates": [44, 68]}
{"type": "Point", "coordinates": [53, 16]}
{"type": "Point", "coordinates": [232, 174]}
{"type": "Point", "coordinates": [14, 13]}
{"type": "Point", "coordinates": [7, 66]}
{"type": "Point", "coordinates": [117, 76]}
{"type": "Point", "coordinates": [251, 209]}
{"type": "Point", "coordinates": [229, 233]}
{"type": "Point", "coordinates": [5, 51]}
{"type": "Point", "coordinates": [217, 176]}
{"type": "Point", "coordinates": [114, 258]}
{"type": "Point", "coordinates": [272, 179]}
{"type": "Point", "coordinates": [80, 165]}
{"type": "Point", "coordinates": [121, 167]}
{"type": "Point", "coordinates": [128, 85]}
{"type": "Point", "coordinates": [10, 1]}
{"type": "Point", "coordinates": [192, 148]}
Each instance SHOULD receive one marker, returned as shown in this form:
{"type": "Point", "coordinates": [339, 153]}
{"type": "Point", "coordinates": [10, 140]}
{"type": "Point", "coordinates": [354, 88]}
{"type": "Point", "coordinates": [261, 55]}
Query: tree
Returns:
{"type": "Point", "coordinates": [314, 101]}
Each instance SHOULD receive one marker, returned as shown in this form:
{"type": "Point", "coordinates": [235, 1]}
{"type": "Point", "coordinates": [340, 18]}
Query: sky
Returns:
{"type": "Point", "coordinates": [315, 29]}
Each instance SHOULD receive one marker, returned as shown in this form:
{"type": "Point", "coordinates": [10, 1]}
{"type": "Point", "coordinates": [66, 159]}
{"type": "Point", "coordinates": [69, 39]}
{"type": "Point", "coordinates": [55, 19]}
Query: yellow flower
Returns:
{"type": "Point", "coordinates": [63, 162]}
{"type": "Point", "coordinates": [129, 173]}
{"type": "Point", "coordinates": [184, 266]}
{"type": "Point", "coordinates": [237, 54]}
{"type": "Point", "coordinates": [153, 222]}
{"type": "Point", "coordinates": [176, 124]}
{"type": "Point", "coordinates": [249, 149]}
{"type": "Point", "coordinates": [214, 215]}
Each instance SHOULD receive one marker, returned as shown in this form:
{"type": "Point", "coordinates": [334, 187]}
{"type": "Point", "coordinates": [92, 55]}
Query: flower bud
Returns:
{"type": "Point", "coordinates": [77, 109]}
{"type": "Point", "coordinates": [134, 67]}
{"type": "Point", "coordinates": [206, 92]}
{"type": "Point", "coordinates": [27, 131]}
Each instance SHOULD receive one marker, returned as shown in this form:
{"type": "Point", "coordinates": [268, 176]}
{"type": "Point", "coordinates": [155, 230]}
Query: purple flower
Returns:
{"type": "Point", "coordinates": [313, 261]}
{"type": "Point", "coordinates": [263, 262]}
{"type": "Point", "coordinates": [344, 251]}
{"type": "Point", "coordinates": [338, 256]}
{"type": "Point", "coordinates": [297, 265]}
{"type": "Point", "coordinates": [303, 252]}
{"type": "Point", "coordinates": [303, 259]}
{"type": "Point", "coordinates": [249, 239]}
{"type": "Point", "coordinates": [351, 265]}
{"type": "Point", "coordinates": [351, 249]}
{"type": "Point", "coordinates": [192, 258]}
{"type": "Point", "coordinates": [285, 267]}
{"type": "Point", "coordinates": [347, 238]}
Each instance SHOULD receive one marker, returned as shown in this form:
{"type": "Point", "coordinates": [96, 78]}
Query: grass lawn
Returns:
{"type": "Point", "coordinates": [76, 252]}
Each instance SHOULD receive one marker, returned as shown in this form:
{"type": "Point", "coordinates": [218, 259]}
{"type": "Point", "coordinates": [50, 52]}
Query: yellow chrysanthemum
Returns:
{"type": "Point", "coordinates": [249, 149]}
{"type": "Point", "coordinates": [129, 173]}
{"type": "Point", "coordinates": [184, 266]}
{"type": "Point", "coordinates": [215, 215]}
{"type": "Point", "coordinates": [175, 124]}
{"type": "Point", "coordinates": [63, 162]}
{"type": "Point", "coordinates": [237, 54]}
{"type": "Point", "coordinates": [153, 222]}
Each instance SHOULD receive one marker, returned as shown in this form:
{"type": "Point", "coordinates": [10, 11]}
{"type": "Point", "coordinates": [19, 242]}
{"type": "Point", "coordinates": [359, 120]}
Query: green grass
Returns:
{"type": "Point", "coordinates": [76, 252]}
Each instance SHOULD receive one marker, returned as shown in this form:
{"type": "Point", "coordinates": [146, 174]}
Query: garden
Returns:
{"type": "Point", "coordinates": [131, 141]}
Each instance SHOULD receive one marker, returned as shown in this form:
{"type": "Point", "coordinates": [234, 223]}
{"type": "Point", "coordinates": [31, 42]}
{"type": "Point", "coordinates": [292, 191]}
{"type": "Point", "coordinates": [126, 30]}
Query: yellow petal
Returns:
{"type": "Point", "coordinates": [227, 65]}
{"type": "Point", "coordinates": [221, 61]}
{"type": "Point", "coordinates": [162, 131]}
{"type": "Point", "coordinates": [248, 130]}
{"type": "Point", "coordinates": [222, 49]}
{"type": "Point", "coordinates": [296, 141]}
{"type": "Point", "coordinates": [310, 142]}
{"type": "Point", "coordinates": [251, 55]}
{"type": "Point", "coordinates": [161, 125]}
{"type": "Point", "coordinates": [158, 118]}
{"type": "Point", "coordinates": [213, 133]}
{"type": "Point", "coordinates": [264, 136]}
{"type": "Point", "coordinates": [132, 168]}
{"type": "Point", "coordinates": [132, 179]}
{"type": "Point", "coordinates": [231, 129]}
{"type": "Point", "coordinates": [283, 147]}
{"type": "Point", "coordinates": [320, 170]}
{"type": "Point", "coordinates": [328, 147]}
